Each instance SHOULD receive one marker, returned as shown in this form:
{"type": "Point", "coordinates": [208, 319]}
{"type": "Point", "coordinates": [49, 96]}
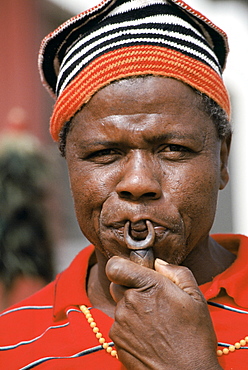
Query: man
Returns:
{"type": "Point", "coordinates": [142, 120]}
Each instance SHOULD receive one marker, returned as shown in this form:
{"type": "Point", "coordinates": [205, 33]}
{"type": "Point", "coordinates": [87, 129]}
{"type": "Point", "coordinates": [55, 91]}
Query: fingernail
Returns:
{"type": "Point", "coordinates": [161, 262]}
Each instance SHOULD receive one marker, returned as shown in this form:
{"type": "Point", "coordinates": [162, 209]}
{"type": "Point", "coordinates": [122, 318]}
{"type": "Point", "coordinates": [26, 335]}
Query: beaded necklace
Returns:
{"type": "Point", "coordinates": [232, 347]}
{"type": "Point", "coordinates": [108, 348]}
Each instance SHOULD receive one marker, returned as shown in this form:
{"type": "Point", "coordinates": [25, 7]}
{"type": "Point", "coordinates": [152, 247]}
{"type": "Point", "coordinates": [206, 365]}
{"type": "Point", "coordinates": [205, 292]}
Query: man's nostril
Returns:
{"type": "Point", "coordinates": [125, 194]}
{"type": "Point", "coordinates": [149, 195]}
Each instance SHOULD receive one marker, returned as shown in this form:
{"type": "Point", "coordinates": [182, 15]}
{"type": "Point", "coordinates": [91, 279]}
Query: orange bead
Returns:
{"type": "Point", "coordinates": [243, 342]}
{"type": "Point", "coordinates": [225, 351]}
{"type": "Point", "coordinates": [101, 340]}
{"type": "Point", "coordinates": [237, 345]}
{"type": "Point", "coordinates": [219, 352]}
{"type": "Point", "coordinates": [232, 348]}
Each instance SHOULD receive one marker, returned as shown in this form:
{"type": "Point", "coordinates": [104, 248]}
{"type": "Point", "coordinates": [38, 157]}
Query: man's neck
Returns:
{"type": "Point", "coordinates": [98, 288]}
{"type": "Point", "coordinates": [208, 260]}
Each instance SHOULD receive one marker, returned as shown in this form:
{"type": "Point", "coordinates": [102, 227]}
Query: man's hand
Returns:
{"type": "Point", "coordinates": [161, 320]}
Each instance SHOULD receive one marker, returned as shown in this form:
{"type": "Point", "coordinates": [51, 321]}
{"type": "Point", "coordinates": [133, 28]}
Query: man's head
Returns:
{"type": "Point", "coordinates": [145, 149]}
{"type": "Point", "coordinates": [143, 118]}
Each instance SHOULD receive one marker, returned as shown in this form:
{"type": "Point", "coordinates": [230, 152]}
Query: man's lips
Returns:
{"type": "Point", "coordinates": [138, 235]}
{"type": "Point", "coordinates": [138, 230]}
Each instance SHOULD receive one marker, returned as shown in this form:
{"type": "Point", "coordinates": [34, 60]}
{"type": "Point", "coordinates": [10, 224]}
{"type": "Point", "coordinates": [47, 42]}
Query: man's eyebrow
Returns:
{"type": "Point", "coordinates": [84, 144]}
{"type": "Point", "coordinates": [169, 136]}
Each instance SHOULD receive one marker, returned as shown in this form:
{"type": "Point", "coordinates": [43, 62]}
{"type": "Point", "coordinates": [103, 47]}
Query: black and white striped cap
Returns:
{"type": "Point", "coordinates": [130, 24]}
{"type": "Point", "coordinates": [120, 29]}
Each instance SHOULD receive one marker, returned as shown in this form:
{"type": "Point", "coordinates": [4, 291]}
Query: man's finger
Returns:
{"type": "Point", "coordinates": [179, 275]}
{"type": "Point", "coordinates": [117, 291]}
{"type": "Point", "coordinates": [127, 273]}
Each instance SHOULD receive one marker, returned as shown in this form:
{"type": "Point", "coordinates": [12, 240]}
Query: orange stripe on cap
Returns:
{"type": "Point", "coordinates": [134, 61]}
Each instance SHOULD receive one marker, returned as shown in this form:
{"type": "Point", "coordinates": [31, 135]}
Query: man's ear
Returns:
{"type": "Point", "coordinates": [224, 155]}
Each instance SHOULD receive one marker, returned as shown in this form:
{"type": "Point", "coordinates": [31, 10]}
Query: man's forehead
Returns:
{"type": "Point", "coordinates": [169, 105]}
{"type": "Point", "coordinates": [153, 94]}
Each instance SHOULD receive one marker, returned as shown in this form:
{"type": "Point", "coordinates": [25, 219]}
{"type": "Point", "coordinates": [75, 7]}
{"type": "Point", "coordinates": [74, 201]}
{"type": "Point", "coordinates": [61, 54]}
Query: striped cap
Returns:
{"type": "Point", "coordinates": [123, 38]}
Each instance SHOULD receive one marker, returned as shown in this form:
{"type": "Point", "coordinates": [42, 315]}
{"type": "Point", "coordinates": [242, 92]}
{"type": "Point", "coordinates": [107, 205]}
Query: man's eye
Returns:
{"type": "Point", "coordinates": [103, 152]}
{"type": "Point", "coordinates": [175, 148]}
{"type": "Point", "coordinates": [175, 152]}
{"type": "Point", "coordinates": [103, 155]}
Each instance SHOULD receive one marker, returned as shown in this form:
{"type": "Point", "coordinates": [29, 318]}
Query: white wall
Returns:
{"type": "Point", "coordinates": [76, 6]}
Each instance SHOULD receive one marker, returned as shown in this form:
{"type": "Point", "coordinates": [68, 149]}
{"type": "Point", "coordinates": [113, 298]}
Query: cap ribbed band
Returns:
{"type": "Point", "coordinates": [132, 61]}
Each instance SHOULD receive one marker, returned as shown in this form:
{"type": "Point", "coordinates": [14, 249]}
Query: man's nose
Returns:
{"type": "Point", "coordinates": [140, 178]}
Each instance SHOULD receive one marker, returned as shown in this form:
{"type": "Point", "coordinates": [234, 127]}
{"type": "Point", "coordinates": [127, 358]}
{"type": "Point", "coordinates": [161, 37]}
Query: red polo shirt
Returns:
{"type": "Point", "coordinates": [48, 331]}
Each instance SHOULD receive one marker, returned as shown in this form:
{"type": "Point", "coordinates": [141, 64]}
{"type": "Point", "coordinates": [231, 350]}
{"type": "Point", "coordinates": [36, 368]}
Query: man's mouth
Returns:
{"type": "Point", "coordinates": [138, 230]}
{"type": "Point", "coordinates": [141, 249]}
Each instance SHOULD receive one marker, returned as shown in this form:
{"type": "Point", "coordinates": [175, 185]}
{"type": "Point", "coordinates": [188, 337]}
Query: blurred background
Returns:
{"type": "Point", "coordinates": [25, 106]}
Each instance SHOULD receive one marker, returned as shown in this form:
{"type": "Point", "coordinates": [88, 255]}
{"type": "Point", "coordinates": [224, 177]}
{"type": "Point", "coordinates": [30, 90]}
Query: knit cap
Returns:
{"type": "Point", "coordinates": [121, 38]}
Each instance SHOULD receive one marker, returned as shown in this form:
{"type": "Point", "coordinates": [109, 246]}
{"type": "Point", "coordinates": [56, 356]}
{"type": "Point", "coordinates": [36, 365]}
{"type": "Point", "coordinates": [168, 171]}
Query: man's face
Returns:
{"type": "Point", "coordinates": [142, 149]}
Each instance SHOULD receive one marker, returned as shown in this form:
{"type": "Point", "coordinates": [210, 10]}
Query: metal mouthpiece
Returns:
{"type": "Point", "coordinates": [141, 251]}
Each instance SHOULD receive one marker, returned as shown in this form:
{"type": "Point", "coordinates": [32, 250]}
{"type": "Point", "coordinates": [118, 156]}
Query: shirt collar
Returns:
{"type": "Point", "coordinates": [234, 279]}
{"type": "Point", "coordinates": [70, 285]}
